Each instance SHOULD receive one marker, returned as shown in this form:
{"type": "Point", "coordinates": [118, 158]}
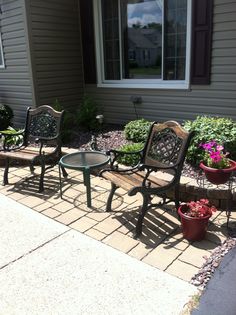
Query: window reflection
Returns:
{"type": "Point", "coordinates": [133, 45]}
{"type": "Point", "coordinates": [142, 38]}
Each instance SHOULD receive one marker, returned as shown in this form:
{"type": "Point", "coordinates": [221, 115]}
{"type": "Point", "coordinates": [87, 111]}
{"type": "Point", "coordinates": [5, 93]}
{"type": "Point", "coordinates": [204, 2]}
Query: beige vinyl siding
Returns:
{"type": "Point", "coordinates": [218, 98]}
{"type": "Point", "coordinates": [15, 78]}
{"type": "Point", "coordinates": [56, 51]}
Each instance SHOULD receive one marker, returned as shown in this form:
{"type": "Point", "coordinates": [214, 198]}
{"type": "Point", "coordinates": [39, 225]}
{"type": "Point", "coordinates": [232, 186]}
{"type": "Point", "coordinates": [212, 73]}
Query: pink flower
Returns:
{"type": "Point", "coordinates": [219, 148]}
{"type": "Point", "coordinates": [207, 146]}
{"type": "Point", "coordinates": [216, 156]}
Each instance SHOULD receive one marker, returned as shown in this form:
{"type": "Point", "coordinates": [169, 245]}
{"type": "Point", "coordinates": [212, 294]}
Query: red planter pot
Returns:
{"type": "Point", "coordinates": [218, 176]}
{"type": "Point", "coordinates": [194, 229]}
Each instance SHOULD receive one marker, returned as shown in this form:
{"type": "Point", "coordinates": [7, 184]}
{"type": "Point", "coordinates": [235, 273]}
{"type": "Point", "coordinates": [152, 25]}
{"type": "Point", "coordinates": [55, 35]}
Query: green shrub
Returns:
{"type": "Point", "coordinates": [6, 115]}
{"type": "Point", "coordinates": [130, 159]}
{"type": "Point", "coordinates": [137, 130]}
{"type": "Point", "coordinates": [222, 130]}
{"type": "Point", "coordinates": [86, 116]}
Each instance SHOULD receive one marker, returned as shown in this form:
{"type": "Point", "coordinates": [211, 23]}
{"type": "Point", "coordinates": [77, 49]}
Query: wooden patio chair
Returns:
{"type": "Point", "coordinates": [40, 142]}
{"type": "Point", "coordinates": [164, 152]}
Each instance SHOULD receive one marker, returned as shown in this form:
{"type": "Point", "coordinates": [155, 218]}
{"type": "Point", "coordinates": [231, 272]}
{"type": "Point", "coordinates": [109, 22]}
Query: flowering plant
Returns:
{"type": "Point", "coordinates": [199, 209]}
{"type": "Point", "coordinates": [214, 155]}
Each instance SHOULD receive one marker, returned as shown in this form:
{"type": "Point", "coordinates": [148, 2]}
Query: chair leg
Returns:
{"type": "Point", "coordinates": [177, 197]}
{"type": "Point", "coordinates": [5, 176]}
{"type": "Point", "coordinates": [41, 188]}
{"type": "Point", "coordinates": [177, 203]}
{"type": "Point", "coordinates": [31, 168]}
{"type": "Point", "coordinates": [64, 172]}
{"type": "Point", "coordinates": [109, 200]}
{"type": "Point", "coordinates": [142, 213]}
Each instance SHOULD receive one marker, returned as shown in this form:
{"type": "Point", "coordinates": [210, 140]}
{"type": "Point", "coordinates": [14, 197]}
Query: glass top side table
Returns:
{"type": "Point", "coordinates": [83, 161]}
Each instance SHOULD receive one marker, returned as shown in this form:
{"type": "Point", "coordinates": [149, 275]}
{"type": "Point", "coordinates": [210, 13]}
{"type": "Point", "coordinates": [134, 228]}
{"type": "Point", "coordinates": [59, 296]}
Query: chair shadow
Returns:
{"type": "Point", "coordinates": [156, 226]}
{"type": "Point", "coordinates": [161, 225]}
{"type": "Point", "coordinates": [29, 186]}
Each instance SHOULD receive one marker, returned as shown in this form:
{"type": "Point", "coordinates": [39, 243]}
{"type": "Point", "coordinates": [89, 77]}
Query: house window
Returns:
{"type": "Point", "coordinates": [142, 42]}
{"type": "Point", "coordinates": [2, 64]}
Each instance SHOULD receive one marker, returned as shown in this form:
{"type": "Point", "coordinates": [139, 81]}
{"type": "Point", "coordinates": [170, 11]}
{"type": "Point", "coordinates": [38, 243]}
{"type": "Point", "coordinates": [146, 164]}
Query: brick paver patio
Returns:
{"type": "Point", "coordinates": [161, 244]}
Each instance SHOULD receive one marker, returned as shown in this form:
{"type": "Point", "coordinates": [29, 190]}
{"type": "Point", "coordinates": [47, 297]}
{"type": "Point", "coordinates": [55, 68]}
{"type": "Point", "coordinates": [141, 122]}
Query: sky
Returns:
{"type": "Point", "coordinates": [149, 11]}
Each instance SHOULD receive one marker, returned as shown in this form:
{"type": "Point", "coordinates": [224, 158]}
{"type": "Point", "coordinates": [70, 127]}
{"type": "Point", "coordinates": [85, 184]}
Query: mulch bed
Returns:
{"type": "Point", "coordinates": [205, 273]}
{"type": "Point", "coordinates": [110, 137]}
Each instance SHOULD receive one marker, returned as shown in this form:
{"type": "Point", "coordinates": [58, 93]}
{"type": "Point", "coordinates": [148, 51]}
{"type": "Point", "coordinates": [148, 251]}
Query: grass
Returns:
{"type": "Point", "coordinates": [146, 71]}
{"type": "Point", "coordinates": [192, 304]}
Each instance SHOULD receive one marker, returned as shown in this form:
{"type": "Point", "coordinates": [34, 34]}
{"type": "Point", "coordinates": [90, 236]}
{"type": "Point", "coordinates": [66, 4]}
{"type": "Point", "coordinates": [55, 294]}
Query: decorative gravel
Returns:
{"type": "Point", "coordinates": [110, 137]}
{"type": "Point", "coordinates": [205, 273]}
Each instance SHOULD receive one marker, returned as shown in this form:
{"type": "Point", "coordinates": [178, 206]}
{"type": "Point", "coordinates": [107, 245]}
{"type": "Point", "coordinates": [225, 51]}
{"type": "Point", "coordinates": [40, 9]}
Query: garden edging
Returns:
{"type": "Point", "coordinates": [191, 189]}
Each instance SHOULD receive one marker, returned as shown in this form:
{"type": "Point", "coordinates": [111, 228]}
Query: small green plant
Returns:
{"type": "Point", "coordinates": [130, 159]}
{"type": "Point", "coordinates": [6, 115]}
{"type": "Point", "coordinates": [221, 130]}
{"type": "Point", "coordinates": [57, 106]}
{"type": "Point", "coordinates": [137, 130]}
{"type": "Point", "coordinates": [13, 137]}
{"type": "Point", "coordinates": [86, 116]}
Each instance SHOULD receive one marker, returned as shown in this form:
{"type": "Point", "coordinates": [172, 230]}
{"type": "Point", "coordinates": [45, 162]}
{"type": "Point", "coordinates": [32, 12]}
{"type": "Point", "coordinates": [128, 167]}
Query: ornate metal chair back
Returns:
{"type": "Point", "coordinates": [44, 122]}
{"type": "Point", "coordinates": [166, 145]}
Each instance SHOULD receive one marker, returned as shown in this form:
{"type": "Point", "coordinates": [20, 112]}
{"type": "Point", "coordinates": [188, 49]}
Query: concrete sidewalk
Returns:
{"type": "Point", "coordinates": [48, 268]}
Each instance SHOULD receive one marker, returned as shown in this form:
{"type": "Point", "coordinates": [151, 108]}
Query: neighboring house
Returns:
{"type": "Point", "coordinates": [144, 52]}
{"type": "Point", "coordinates": [57, 49]}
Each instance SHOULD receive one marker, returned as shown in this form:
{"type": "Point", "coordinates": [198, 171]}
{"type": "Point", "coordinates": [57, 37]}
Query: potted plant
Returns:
{"type": "Point", "coordinates": [194, 218]}
{"type": "Point", "coordinates": [216, 165]}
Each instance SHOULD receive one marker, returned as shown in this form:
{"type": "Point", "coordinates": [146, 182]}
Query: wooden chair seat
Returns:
{"type": "Point", "coordinates": [129, 181]}
{"type": "Point", "coordinates": [27, 154]}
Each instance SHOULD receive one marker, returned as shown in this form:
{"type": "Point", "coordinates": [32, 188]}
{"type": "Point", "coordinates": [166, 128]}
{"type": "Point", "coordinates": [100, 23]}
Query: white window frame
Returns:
{"type": "Point", "coordinates": [2, 66]}
{"type": "Point", "coordinates": [137, 83]}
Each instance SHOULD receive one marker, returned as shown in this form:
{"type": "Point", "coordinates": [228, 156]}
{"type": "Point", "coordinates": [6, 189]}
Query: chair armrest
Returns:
{"type": "Point", "coordinates": [115, 154]}
{"type": "Point", "coordinates": [46, 139]}
{"type": "Point", "coordinates": [122, 152]}
{"type": "Point", "coordinates": [159, 167]}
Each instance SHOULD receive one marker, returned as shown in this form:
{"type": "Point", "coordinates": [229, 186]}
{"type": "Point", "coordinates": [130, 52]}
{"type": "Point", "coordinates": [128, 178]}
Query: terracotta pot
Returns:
{"type": "Point", "coordinates": [194, 229]}
{"type": "Point", "coordinates": [218, 176]}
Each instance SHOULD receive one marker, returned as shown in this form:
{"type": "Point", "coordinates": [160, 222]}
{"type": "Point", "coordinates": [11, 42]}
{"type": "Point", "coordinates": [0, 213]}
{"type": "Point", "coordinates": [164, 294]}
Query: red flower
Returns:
{"type": "Point", "coordinates": [199, 209]}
